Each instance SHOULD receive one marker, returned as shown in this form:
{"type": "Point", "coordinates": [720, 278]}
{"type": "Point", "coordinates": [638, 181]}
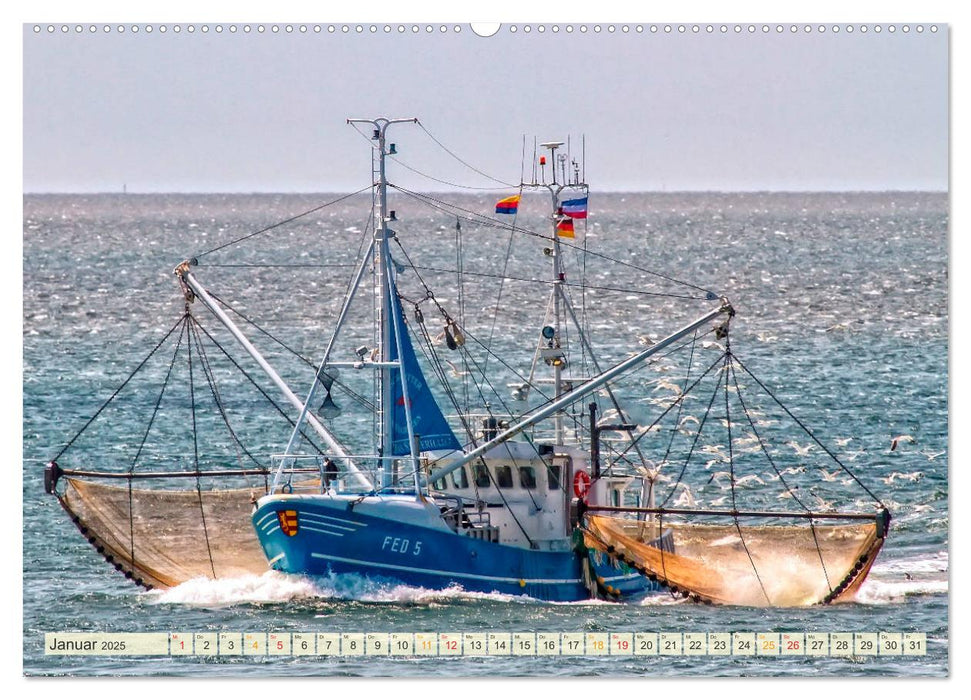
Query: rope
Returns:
{"type": "Point", "coordinates": [502, 283]}
{"type": "Point", "coordinates": [677, 418]}
{"type": "Point", "coordinates": [677, 401]}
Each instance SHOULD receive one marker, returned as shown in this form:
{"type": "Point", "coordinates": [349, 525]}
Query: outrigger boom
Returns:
{"type": "Point", "coordinates": [200, 293]}
{"type": "Point", "coordinates": [583, 390]}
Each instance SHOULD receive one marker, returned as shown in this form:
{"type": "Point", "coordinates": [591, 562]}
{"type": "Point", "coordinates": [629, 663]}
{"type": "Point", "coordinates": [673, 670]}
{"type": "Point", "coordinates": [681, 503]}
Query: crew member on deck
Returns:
{"type": "Point", "coordinates": [330, 472]}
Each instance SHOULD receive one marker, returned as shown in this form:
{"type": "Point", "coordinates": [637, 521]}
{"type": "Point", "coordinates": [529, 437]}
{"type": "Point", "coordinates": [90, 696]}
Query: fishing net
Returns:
{"type": "Point", "coordinates": [755, 565]}
{"type": "Point", "coordinates": [162, 538]}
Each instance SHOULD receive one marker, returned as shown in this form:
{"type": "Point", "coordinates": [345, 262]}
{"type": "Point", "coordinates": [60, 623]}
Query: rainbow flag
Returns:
{"type": "Point", "coordinates": [509, 205]}
{"type": "Point", "coordinates": [565, 228]}
{"type": "Point", "coordinates": [575, 208]}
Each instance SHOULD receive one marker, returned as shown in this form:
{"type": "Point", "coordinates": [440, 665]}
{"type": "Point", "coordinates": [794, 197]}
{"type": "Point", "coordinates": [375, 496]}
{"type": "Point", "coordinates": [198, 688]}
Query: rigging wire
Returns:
{"type": "Point", "coordinates": [217, 400]}
{"type": "Point", "coordinates": [809, 432]}
{"type": "Point", "coordinates": [697, 437]}
{"type": "Point", "coordinates": [484, 220]}
{"type": "Point", "coordinates": [119, 389]}
{"type": "Point", "coordinates": [284, 222]}
{"type": "Point", "coordinates": [362, 400]}
{"type": "Point", "coordinates": [314, 266]}
{"type": "Point", "coordinates": [470, 167]}
{"type": "Point", "coordinates": [141, 446]}
{"type": "Point", "coordinates": [731, 467]}
{"type": "Point", "coordinates": [259, 388]}
{"type": "Point", "coordinates": [502, 284]}
{"type": "Point", "coordinates": [195, 458]}
{"type": "Point", "coordinates": [404, 165]}
{"type": "Point", "coordinates": [765, 451]}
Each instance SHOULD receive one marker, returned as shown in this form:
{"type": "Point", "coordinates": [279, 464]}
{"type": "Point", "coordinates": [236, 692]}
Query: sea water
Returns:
{"type": "Point", "coordinates": [842, 310]}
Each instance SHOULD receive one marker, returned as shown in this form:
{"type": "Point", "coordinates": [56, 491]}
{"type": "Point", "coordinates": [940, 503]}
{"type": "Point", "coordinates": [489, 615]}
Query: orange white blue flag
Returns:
{"type": "Point", "coordinates": [509, 205]}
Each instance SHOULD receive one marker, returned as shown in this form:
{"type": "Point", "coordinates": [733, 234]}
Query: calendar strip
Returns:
{"type": "Point", "coordinates": [439, 644]}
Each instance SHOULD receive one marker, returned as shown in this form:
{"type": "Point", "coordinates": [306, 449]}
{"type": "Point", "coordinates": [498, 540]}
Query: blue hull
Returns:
{"type": "Point", "coordinates": [334, 538]}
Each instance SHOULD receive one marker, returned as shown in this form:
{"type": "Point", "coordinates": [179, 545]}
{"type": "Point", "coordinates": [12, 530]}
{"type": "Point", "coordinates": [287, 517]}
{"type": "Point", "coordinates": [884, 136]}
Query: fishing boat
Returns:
{"type": "Point", "coordinates": [555, 495]}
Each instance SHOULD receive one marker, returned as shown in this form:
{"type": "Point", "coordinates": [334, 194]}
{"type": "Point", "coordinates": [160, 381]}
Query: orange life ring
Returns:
{"type": "Point", "coordinates": [581, 483]}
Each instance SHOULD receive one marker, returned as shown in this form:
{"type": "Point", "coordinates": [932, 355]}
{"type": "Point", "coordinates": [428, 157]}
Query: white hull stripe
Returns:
{"type": "Point", "coordinates": [323, 532]}
{"type": "Point", "coordinates": [436, 572]}
{"type": "Point", "coordinates": [263, 521]}
{"type": "Point", "coordinates": [277, 558]}
{"type": "Point", "coordinates": [308, 518]}
{"type": "Point", "coordinates": [355, 523]}
{"type": "Point", "coordinates": [272, 515]}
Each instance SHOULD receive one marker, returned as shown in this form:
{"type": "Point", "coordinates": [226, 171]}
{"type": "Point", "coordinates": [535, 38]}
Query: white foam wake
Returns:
{"type": "Point", "coordinates": [270, 587]}
{"type": "Point", "coordinates": [276, 587]}
{"type": "Point", "coordinates": [877, 592]}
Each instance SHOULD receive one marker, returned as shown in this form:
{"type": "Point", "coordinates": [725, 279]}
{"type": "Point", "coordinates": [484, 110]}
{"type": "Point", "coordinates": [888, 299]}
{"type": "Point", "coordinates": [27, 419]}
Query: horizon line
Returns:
{"type": "Point", "coordinates": [917, 190]}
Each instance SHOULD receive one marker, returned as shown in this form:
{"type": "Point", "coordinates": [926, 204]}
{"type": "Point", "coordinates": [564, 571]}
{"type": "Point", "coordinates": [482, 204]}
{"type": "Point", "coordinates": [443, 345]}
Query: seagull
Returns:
{"type": "Point", "coordinates": [824, 505]}
{"type": "Point", "coordinates": [688, 419]}
{"type": "Point", "coordinates": [841, 442]}
{"type": "Point", "coordinates": [456, 372]}
{"type": "Point", "coordinates": [829, 477]}
{"type": "Point", "coordinates": [931, 456]}
{"type": "Point", "coordinates": [913, 476]}
{"type": "Point", "coordinates": [749, 479]}
{"type": "Point", "coordinates": [895, 443]}
{"type": "Point", "coordinates": [665, 384]}
{"type": "Point", "coordinates": [685, 499]}
{"type": "Point", "coordinates": [800, 450]}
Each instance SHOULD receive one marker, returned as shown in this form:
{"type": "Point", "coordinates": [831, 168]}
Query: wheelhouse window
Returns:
{"type": "Point", "coordinates": [460, 478]}
{"type": "Point", "coordinates": [527, 477]}
{"type": "Point", "coordinates": [504, 476]}
{"type": "Point", "coordinates": [480, 474]}
{"type": "Point", "coordinates": [553, 476]}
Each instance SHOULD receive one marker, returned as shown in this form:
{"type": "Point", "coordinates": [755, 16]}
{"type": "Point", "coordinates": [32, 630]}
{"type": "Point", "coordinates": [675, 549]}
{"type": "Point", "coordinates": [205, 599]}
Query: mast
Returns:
{"type": "Point", "coordinates": [552, 352]}
{"type": "Point", "coordinates": [382, 236]}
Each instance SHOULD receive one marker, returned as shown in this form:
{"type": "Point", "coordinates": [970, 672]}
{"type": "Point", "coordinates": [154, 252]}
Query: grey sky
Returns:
{"type": "Point", "coordinates": [252, 112]}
